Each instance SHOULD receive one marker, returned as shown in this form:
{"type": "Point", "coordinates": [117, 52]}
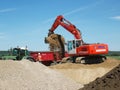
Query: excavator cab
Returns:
{"type": "Point", "coordinates": [73, 44]}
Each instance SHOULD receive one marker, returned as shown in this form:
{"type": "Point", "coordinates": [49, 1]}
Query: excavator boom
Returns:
{"type": "Point", "coordinates": [60, 20]}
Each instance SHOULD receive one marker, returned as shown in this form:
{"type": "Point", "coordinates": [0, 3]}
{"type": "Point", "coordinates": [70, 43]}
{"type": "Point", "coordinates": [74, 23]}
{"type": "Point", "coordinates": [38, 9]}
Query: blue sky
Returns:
{"type": "Point", "coordinates": [26, 22]}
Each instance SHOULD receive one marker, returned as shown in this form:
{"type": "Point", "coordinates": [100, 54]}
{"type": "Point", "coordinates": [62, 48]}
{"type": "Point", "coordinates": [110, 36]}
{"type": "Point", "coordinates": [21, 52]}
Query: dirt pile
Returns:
{"type": "Point", "coordinates": [110, 81]}
{"type": "Point", "coordinates": [26, 75]}
{"type": "Point", "coordinates": [86, 73]}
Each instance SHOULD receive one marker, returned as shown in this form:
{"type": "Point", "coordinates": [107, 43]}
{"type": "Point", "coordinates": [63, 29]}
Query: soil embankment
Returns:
{"type": "Point", "coordinates": [86, 73]}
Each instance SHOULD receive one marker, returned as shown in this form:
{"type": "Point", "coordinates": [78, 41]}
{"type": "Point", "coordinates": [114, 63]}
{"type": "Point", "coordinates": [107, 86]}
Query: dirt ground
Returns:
{"type": "Point", "coordinates": [86, 73]}
{"type": "Point", "coordinates": [26, 75]}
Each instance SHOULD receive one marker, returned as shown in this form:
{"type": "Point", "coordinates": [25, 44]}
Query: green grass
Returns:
{"type": "Point", "coordinates": [115, 57]}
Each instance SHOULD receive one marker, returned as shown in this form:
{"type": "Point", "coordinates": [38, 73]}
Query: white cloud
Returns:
{"type": "Point", "coordinates": [74, 11]}
{"type": "Point", "coordinates": [48, 20]}
{"type": "Point", "coordinates": [7, 10]}
{"type": "Point", "coordinates": [116, 17]}
{"type": "Point", "coordinates": [82, 8]}
{"type": "Point", "coordinates": [66, 14]}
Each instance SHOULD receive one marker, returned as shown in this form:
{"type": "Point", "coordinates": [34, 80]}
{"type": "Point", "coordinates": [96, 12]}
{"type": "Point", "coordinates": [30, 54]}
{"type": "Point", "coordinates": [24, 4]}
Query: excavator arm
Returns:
{"type": "Point", "coordinates": [60, 20]}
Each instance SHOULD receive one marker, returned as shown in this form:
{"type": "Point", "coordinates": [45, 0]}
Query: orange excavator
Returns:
{"type": "Point", "coordinates": [77, 49]}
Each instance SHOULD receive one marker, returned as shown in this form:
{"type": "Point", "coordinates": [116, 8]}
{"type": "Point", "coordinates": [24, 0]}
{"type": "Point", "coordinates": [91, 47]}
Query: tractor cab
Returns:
{"type": "Point", "coordinates": [16, 54]}
{"type": "Point", "coordinates": [20, 53]}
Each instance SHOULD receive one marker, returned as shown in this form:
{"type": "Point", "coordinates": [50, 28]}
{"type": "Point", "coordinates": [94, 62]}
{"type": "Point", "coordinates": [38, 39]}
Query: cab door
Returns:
{"type": "Point", "coordinates": [71, 46]}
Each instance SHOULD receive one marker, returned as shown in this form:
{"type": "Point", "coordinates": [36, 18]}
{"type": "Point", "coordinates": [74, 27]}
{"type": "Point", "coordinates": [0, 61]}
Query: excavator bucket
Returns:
{"type": "Point", "coordinates": [56, 43]}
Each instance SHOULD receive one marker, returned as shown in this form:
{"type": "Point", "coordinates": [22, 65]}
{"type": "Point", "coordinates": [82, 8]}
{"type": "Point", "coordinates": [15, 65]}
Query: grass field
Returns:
{"type": "Point", "coordinates": [114, 54]}
{"type": "Point", "coordinates": [115, 57]}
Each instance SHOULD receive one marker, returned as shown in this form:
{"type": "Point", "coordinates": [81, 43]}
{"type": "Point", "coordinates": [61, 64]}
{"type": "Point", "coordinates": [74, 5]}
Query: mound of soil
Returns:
{"type": "Point", "coordinates": [26, 75]}
{"type": "Point", "coordinates": [86, 73]}
{"type": "Point", "coordinates": [110, 81]}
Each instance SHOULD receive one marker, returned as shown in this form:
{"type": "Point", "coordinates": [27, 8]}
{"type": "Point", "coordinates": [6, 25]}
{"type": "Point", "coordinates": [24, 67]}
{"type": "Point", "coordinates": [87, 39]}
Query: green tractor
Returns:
{"type": "Point", "coordinates": [17, 54]}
